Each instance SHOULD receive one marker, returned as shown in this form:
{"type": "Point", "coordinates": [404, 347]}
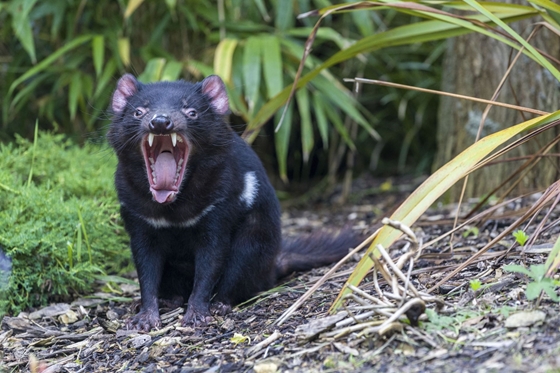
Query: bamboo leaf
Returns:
{"type": "Point", "coordinates": [199, 68]}
{"type": "Point", "coordinates": [131, 7]}
{"type": "Point", "coordinates": [171, 4]}
{"type": "Point", "coordinates": [282, 141]}
{"type": "Point", "coordinates": [539, 57]}
{"type": "Point", "coordinates": [22, 29]}
{"type": "Point", "coordinates": [335, 119]}
{"type": "Point", "coordinates": [153, 70]}
{"type": "Point", "coordinates": [547, 4]}
{"type": "Point", "coordinates": [172, 71]}
{"type": "Point", "coordinates": [272, 65]}
{"type": "Point", "coordinates": [48, 61]}
{"type": "Point", "coordinates": [262, 9]}
{"type": "Point", "coordinates": [437, 184]}
{"type": "Point", "coordinates": [284, 14]}
{"type": "Point", "coordinates": [364, 22]}
{"type": "Point", "coordinates": [29, 89]}
{"type": "Point", "coordinates": [236, 102]}
{"type": "Point", "coordinates": [407, 34]}
{"type": "Point", "coordinates": [74, 94]}
{"type": "Point", "coordinates": [340, 97]}
{"type": "Point", "coordinates": [223, 59]}
{"type": "Point", "coordinates": [252, 71]}
{"type": "Point", "coordinates": [124, 51]}
{"type": "Point", "coordinates": [21, 24]}
{"type": "Point", "coordinates": [321, 117]}
{"type": "Point", "coordinates": [325, 33]}
{"type": "Point", "coordinates": [98, 52]}
{"type": "Point", "coordinates": [307, 141]}
{"type": "Point", "coordinates": [105, 78]}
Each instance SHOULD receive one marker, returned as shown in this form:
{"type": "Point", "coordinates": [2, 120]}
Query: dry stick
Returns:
{"type": "Point", "coordinates": [441, 93]}
{"type": "Point", "coordinates": [533, 161]}
{"type": "Point", "coordinates": [539, 205]}
{"type": "Point", "coordinates": [322, 280]}
{"type": "Point", "coordinates": [360, 292]}
{"type": "Point", "coordinates": [376, 283]}
{"type": "Point", "coordinates": [353, 318]}
{"type": "Point", "coordinates": [469, 261]}
{"type": "Point", "coordinates": [526, 157]}
{"type": "Point", "coordinates": [401, 311]}
{"type": "Point", "coordinates": [259, 346]}
{"type": "Point", "coordinates": [540, 226]}
{"type": "Point", "coordinates": [381, 268]}
{"type": "Point", "coordinates": [338, 333]}
{"type": "Point", "coordinates": [396, 271]}
{"type": "Point", "coordinates": [479, 132]}
{"type": "Point", "coordinates": [529, 162]}
{"type": "Point", "coordinates": [516, 143]}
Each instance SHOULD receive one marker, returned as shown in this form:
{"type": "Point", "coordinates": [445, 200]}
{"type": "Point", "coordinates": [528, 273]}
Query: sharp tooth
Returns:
{"type": "Point", "coordinates": [151, 139]}
{"type": "Point", "coordinates": [174, 139]}
{"type": "Point", "coordinates": [151, 160]}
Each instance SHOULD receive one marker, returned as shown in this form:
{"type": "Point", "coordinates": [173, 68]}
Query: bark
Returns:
{"type": "Point", "coordinates": [474, 65]}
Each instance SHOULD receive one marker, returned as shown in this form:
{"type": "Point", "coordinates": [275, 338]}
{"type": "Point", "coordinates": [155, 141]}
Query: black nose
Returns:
{"type": "Point", "coordinates": [161, 124]}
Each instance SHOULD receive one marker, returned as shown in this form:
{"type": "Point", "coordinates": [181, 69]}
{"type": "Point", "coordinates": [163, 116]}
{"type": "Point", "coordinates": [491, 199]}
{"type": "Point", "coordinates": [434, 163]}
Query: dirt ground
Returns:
{"type": "Point", "coordinates": [478, 321]}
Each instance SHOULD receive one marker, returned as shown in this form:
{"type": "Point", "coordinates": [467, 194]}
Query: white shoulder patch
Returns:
{"type": "Point", "coordinates": [250, 190]}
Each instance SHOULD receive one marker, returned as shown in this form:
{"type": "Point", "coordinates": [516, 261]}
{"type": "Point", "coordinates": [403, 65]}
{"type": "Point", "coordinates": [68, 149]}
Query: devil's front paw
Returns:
{"type": "Point", "coordinates": [196, 316]}
{"type": "Point", "coordinates": [144, 321]}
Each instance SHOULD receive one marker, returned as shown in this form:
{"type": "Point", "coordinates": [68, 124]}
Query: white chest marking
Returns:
{"type": "Point", "coordinates": [164, 223]}
{"type": "Point", "coordinates": [250, 189]}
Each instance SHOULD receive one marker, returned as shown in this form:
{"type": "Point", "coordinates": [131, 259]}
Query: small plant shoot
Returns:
{"type": "Point", "coordinates": [540, 283]}
{"type": "Point", "coordinates": [520, 237]}
{"type": "Point", "coordinates": [475, 284]}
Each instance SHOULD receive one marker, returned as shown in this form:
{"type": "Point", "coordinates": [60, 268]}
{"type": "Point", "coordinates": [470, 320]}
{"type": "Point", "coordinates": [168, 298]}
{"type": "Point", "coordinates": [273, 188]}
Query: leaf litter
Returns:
{"type": "Point", "coordinates": [479, 320]}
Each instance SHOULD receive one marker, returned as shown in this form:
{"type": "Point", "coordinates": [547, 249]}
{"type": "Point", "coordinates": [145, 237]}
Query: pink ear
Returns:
{"type": "Point", "coordinates": [126, 87]}
{"type": "Point", "coordinates": [215, 89]}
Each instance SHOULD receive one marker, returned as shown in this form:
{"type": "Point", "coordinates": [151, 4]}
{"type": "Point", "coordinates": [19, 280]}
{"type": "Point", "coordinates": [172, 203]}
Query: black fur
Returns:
{"type": "Point", "coordinates": [205, 242]}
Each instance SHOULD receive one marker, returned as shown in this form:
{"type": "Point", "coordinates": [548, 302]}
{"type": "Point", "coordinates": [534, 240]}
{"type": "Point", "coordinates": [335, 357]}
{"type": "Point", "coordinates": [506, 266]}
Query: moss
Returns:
{"type": "Point", "coordinates": [60, 226]}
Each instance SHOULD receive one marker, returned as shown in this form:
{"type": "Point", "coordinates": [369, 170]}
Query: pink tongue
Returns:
{"type": "Point", "coordinates": [163, 195]}
{"type": "Point", "coordinates": [165, 170]}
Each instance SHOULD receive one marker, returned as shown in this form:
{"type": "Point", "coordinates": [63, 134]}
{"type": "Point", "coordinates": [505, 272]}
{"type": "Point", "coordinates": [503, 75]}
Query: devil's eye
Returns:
{"type": "Point", "coordinates": [139, 112]}
{"type": "Point", "coordinates": [191, 113]}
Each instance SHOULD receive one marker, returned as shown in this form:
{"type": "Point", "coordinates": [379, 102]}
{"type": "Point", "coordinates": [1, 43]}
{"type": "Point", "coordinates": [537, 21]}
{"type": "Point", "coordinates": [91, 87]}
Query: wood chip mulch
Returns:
{"type": "Point", "coordinates": [491, 329]}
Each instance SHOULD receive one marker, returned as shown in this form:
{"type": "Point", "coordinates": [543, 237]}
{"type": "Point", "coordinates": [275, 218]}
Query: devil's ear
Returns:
{"type": "Point", "coordinates": [214, 88]}
{"type": "Point", "coordinates": [126, 87]}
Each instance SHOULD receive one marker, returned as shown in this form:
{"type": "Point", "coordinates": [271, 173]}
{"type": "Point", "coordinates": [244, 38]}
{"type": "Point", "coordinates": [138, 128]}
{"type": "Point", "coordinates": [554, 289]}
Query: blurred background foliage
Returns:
{"type": "Point", "coordinates": [66, 56]}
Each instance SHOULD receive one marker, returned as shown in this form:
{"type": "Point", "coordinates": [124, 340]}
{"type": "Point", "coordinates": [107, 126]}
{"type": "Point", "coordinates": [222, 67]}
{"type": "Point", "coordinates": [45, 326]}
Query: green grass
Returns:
{"type": "Point", "coordinates": [59, 219]}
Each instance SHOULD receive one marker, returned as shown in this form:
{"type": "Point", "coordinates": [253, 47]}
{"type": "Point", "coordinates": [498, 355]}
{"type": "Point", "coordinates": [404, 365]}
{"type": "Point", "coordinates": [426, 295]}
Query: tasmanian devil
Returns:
{"type": "Point", "coordinates": [203, 219]}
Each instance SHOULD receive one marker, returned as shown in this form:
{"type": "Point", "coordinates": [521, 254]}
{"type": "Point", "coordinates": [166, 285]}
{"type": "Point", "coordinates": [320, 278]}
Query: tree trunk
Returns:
{"type": "Point", "coordinates": [474, 65]}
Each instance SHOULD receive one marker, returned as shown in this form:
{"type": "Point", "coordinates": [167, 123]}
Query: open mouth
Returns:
{"type": "Point", "coordinates": [166, 158]}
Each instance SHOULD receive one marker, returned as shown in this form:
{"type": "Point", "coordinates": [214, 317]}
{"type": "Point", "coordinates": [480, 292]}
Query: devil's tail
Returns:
{"type": "Point", "coordinates": [314, 250]}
